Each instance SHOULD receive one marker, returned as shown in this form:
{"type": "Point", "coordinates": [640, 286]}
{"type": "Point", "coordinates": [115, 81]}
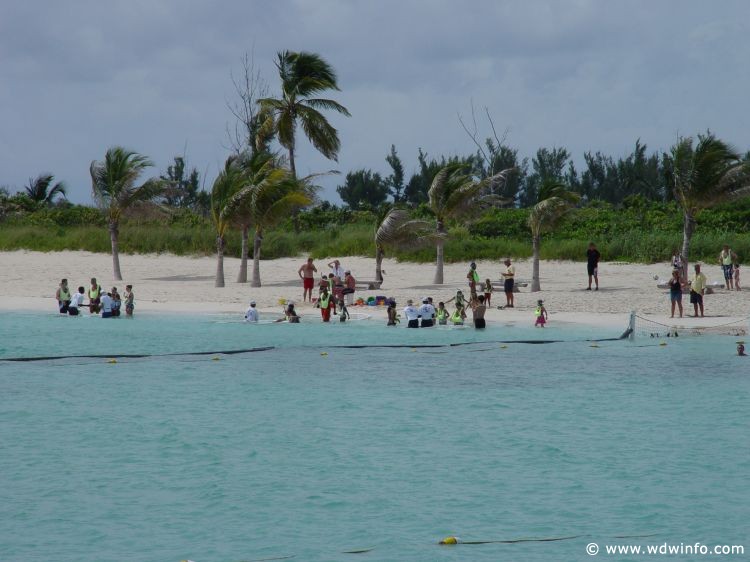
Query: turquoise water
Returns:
{"type": "Point", "coordinates": [290, 452]}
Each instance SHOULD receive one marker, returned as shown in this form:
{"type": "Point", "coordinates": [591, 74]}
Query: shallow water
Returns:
{"type": "Point", "coordinates": [312, 450]}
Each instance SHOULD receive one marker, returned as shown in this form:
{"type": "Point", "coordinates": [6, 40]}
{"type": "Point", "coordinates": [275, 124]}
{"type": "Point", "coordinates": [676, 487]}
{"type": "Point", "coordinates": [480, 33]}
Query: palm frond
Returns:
{"type": "Point", "coordinates": [321, 133]}
{"type": "Point", "coordinates": [398, 229]}
{"type": "Point", "coordinates": [330, 105]}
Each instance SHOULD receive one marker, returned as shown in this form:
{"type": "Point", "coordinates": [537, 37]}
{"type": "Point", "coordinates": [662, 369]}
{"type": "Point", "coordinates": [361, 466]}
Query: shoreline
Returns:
{"type": "Point", "coordinates": [168, 284]}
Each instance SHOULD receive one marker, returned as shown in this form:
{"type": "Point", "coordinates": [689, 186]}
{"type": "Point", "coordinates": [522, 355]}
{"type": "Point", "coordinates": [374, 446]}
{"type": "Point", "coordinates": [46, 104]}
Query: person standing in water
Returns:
{"type": "Point", "coordinates": [441, 314]}
{"type": "Point", "coordinates": [343, 312]}
{"type": "Point", "coordinates": [106, 302]}
{"type": "Point", "coordinates": [307, 272]}
{"type": "Point", "coordinates": [76, 300]}
{"type": "Point", "coordinates": [251, 314]}
{"type": "Point", "coordinates": [393, 318]}
{"type": "Point", "coordinates": [478, 308]}
{"type": "Point", "coordinates": [460, 302]}
{"type": "Point", "coordinates": [427, 313]}
{"type": "Point", "coordinates": [95, 294]}
{"type": "Point", "coordinates": [129, 300]}
{"type": "Point", "coordinates": [63, 296]}
{"type": "Point", "coordinates": [412, 314]}
{"type": "Point", "coordinates": [326, 303]}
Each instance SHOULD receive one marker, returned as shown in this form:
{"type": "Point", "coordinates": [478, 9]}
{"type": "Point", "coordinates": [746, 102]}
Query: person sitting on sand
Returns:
{"type": "Point", "coordinates": [343, 312]}
{"type": "Point", "coordinates": [307, 272]}
{"type": "Point", "coordinates": [251, 314]}
{"type": "Point", "coordinates": [76, 300]}
{"type": "Point", "coordinates": [441, 314]}
{"type": "Point", "coordinates": [393, 318]}
{"type": "Point", "coordinates": [129, 300]}
{"type": "Point", "coordinates": [106, 305]}
{"type": "Point", "coordinates": [412, 314]}
{"type": "Point", "coordinates": [541, 314]}
{"type": "Point", "coordinates": [116, 302]}
{"type": "Point", "coordinates": [478, 308]}
{"type": "Point", "coordinates": [325, 302]}
{"type": "Point", "coordinates": [427, 313]}
{"type": "Point", "coordinates": [95, 293]}
{"type": "Point", "coordinates": [63, 297]}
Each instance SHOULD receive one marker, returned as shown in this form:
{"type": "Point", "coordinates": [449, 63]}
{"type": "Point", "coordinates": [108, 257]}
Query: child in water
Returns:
{"type": "Point", "coordinates": [393, 318]}
{"type": "Point", "coordinates": [541, 314]}
{"type": "Point", "coordinates": [460, 303]}
{"type": "Point", "coordinates": [343, 312]}
{"type": "Point", "coordinates": [441, 314]}
{"type": "Point", "coordinates": [488, 292]}
{"type": "Point", "coordinates": [457, 318]}
{"type": "Point", "coordinates": [129, 300]}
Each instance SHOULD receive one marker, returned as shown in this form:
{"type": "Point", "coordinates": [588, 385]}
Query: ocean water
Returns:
{"type": "Point", "coordinates": [312, 450]}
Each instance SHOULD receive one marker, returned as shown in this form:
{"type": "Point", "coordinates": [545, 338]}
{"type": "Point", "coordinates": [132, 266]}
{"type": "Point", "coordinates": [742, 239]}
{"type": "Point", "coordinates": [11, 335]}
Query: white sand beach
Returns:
{"type": "Point", "coordinates": [167, 283]}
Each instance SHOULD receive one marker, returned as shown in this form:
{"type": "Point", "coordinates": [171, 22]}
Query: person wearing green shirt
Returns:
{"type": "Point", "coordinates": [697, 289]}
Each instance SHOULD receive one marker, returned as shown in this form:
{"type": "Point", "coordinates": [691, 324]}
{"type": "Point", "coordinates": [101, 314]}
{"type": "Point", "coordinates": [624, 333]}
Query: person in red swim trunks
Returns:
{"type": "Point", "coordinates": [307, 273]}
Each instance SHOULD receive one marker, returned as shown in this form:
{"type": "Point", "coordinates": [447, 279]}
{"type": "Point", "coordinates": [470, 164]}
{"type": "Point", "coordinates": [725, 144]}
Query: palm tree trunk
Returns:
{"type": "Point", "coordinates": [257, 241]}
{"type": "Point", "coordinates": [440, 257]}
{"type": "Point", "coordinates": [292, 167]}
{"type": "Point", "coordinates": [535, 242]}
{"type": "Point", "coordinates": [242, 276]}
{"type": "Point", "coordinates": [688, 228]}
{"type": "Point", "coordinates": [114, 237]}
{"type": "Point", "coordinates": [219, 262]}
{"type": "Point", "coordinates": [379, 254]}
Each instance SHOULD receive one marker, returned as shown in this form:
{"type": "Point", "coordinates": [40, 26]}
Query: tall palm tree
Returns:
{"type": "Point", "coordinates": [703, 175]}
{"type": "Point", "coordinates": [397, 229]}
{"type": "Point", "coordinates": [268, 196]}
{"type": "Point", "coordinates": [455, 195]}
{"type": "Point", "coordinates": [304, 76]}
{"type": "Point", "coordinates": [39, 189]}
{"type": "Point", "coordinates": [113, 183]}
{"type": "Point", "coordinates": [554, 201]}
{"type": "Point", "coordinates": [223, 211]}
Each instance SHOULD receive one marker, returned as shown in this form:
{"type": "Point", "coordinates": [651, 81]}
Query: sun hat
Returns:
{"type": "Point", "coordinates": [425, 300]}
{"type": "Point", "coordinates": [252, 303]}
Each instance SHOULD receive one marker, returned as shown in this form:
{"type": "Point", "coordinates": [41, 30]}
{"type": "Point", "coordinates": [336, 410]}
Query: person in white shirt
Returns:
{"type": "Point", "coordinates": [106, 302]}
{"type": "Point", "coordinates": [412, 314]}
{"type": "Point", "coordinates": [76, 300]}
{"type": "Point", "coordinates": [427, 313]}
{"type": "Point", "coordinates": [251, 314]}
{"type": "Point", "coordinates": [336, 269]}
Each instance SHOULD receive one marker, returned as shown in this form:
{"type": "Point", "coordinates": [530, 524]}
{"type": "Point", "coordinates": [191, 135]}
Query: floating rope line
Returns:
{"type": "Point", "coordinates": [135, 355]}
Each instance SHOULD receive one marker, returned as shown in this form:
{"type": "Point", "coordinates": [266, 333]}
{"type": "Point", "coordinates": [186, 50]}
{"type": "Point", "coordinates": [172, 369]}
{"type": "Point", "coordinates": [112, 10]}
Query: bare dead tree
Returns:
{"type": "Point", "coordinates": [249, 87]}
{"type": "Point", "coordinates": [483, 147]}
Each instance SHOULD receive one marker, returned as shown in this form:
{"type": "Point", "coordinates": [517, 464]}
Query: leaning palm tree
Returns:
{"type": "Point", "coordinates": [396, 230]}
{"type": "Point", "coordinates": [703, 175]}
{"type": "Point", "coordinates": [113, 182]}
{"type": "Point", "coordinates": [303, 76]}
{"type": "Point", "coordinates": [269, 195]}
{"type": "Point", "coordinates": [39, 189]}
{"type": "Point", "coordinates": [223, 211]}
{"type": "Point", "coordinates": [454, 195]}
{"type": "Point", "coordinates": [554, 201]}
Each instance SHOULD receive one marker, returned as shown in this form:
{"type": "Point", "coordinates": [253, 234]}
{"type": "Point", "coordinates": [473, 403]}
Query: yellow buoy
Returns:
{"type": "Point", "coordinates": [449, 540]}
{"type": "Point", "coordinates": [324, 353]}
{"type": "Point", "coordinates": [662, 343]}
{"type": "Point", "coordinates": [593, 345]}
{"type": "Point", "coordinates": [215, 358]}
{"type": "Point", "coordinates": [112, 361]}
{"type": "Point", "coordinates": [503, 347]}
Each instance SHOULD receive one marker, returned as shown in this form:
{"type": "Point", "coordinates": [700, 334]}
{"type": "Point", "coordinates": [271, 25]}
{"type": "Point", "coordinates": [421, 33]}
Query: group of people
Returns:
{"type": "Point", "coordinates": [697, 285]}
{"type": "Point", "coordinates": [108, 303]}
{"type": "Point", "coordinates": [339, 283]}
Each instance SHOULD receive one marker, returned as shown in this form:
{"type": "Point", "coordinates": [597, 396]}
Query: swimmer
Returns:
{"type": "Point", "coordinates": [741, 350]}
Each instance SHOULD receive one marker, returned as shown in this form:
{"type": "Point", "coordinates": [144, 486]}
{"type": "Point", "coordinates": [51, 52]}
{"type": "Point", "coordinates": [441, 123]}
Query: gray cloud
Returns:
{"type": "Point", "coordinates": [81, 76]}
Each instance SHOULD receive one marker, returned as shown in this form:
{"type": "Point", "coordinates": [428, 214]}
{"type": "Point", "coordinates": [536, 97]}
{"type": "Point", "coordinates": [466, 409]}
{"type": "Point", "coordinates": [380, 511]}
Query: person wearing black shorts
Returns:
{"type": "Point", "coordinates": [508, 283]}
{"type": "Point", "coordinates": [592, 265]}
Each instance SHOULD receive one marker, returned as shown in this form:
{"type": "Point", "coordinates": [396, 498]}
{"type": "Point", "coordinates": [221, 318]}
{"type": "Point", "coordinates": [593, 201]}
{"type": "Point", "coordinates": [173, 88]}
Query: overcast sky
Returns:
{"type": "Point", "coordinates": [77, 77]}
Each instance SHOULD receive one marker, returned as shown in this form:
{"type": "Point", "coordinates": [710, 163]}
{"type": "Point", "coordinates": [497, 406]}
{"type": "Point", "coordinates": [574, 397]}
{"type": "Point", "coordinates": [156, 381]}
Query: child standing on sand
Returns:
{"type": "Point", "coordinates": [541, 314]}
{"type": "Point", "coordinates": [488, 292]}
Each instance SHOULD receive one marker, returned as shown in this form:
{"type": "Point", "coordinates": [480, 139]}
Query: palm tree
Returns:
{"type": "Point", "coordinates": [223, 211]}
{"type": "Point", "coordinates": [114, 189]}
{"type": "Point", "coordinates": [269, 195]}
{"type": "Point", "coordinates": [455, 195]}
{"type": "Point", "coordinates": [397, 229]}
{"type": "Point", "coordinates": [554, 201]}
{"type": "Point", "coordinates": [703, 175]}
{"type": "Point", "coordinates": [304, 75]}
{"type": "Point", "coordinates": [39, 189]}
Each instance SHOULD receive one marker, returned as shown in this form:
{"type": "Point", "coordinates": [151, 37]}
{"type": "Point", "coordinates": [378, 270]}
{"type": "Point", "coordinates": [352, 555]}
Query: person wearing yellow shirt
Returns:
{"type": "Point", "coordinates": [697, 289]}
